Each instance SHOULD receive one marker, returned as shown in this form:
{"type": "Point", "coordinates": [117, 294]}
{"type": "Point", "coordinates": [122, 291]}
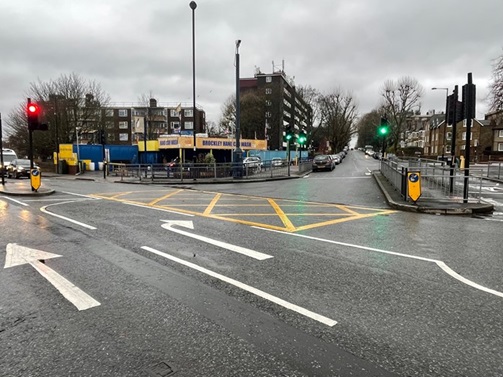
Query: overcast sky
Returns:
{"type": "Point", "coordinates": [134, 47]}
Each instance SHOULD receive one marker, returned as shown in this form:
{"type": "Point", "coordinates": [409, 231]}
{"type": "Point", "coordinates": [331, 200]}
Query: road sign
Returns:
{"type": "Point", "coordinates": [414, 185]}
{"type": "Point", "coordinates": [35, 179]}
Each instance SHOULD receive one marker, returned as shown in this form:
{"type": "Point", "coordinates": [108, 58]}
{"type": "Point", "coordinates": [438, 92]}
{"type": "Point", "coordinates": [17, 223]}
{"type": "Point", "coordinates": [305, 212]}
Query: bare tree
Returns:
{"type": "Point", "coordinates": [367, 128]}
{"type": "Point", "coordinates": [67, 103]}
{"type": "Point", "coordinates": [400, 99]}
{"type": "Point", "coordinates": [228, 119]}
{"type": "Point", "coordinates": [338, 114]}
{"type": "Point", "coordinates": [496, 86]}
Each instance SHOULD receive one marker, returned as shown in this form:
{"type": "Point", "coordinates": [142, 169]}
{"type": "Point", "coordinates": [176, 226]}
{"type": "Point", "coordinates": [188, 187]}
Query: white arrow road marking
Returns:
{"type": "Point", "coordinates": [248, 288]}
{"type": "Point", "coordinates": [18, 255]}
{"type": "Point", "coordinates": [168, 224]}
{"type": "Point", "coordinates": [439, 263]}
{"type": "Point", "coordinates": [44, 210]}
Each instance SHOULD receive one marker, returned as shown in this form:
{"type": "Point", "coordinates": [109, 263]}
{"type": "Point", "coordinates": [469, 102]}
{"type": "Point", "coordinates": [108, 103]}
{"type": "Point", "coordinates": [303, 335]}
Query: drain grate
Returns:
{"type": "Point", "coordinates": [161, 370]}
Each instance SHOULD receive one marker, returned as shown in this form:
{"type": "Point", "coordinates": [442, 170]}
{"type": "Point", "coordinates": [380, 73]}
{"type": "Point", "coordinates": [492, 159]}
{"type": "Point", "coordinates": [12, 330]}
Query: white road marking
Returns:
{"type": "Point", "coordinates": [439, 263]}
{"type": "Point", "coordinates": [455, 275]}
{"type": "Point", "coordinates": [492, 201]}
{"type": "Point", "coordinates": [16, 201]}
{"type": "Point", "coordinates": [317, 317]}
{"type": "Point", "coordinates": [18, 255]}
{"type": "Point", "coordinates": [44, 210]}
{"type": "Point", "coordinates": [83, 195]}
{"type": "Point", "coordinates": [168, 224]}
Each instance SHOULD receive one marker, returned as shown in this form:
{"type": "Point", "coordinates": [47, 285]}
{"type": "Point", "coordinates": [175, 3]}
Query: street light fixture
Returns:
{"type": "Point", "coordinates": [445, 118]}
{"type": "Point", "coordinates": [193, 6]}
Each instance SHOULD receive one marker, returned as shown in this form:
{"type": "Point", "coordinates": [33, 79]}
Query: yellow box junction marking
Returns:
{"type": "Point", "coordinates": [208, 204]}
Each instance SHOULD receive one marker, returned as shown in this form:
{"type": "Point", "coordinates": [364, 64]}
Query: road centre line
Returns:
{"type": "Point", "coordinates": [439, 263]}
{"type": "Point", "coordinates": [46, 211]}
{"type": "Point", "coordinates": [15, 201]}
{"type": "Point", "coordinates": [317, 317]}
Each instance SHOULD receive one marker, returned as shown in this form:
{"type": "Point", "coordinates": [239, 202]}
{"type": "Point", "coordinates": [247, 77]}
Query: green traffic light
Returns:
{"type": "Point", "coordinates": [383, 130]}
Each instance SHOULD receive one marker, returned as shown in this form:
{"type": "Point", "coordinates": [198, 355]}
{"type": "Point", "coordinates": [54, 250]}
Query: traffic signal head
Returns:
{"type": "Point", "coordinates": [383, 129]}
{"type": "Point", "coordinates": [288, 134]}
{"type": "Point", "coordinates": [301, 139]}
{"type": "Point", "coordinates": [33, 112]}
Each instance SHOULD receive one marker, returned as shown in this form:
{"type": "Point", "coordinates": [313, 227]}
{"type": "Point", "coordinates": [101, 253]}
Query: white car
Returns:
{"type": "Point", "coordinates": [277, 161]}
{"type": "Point", "coordinates": [253, 162]}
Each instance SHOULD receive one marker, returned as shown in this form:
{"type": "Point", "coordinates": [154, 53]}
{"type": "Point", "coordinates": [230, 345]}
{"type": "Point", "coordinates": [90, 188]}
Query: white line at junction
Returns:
{"type": "Point", "coordinates": [317, 317]}
{"type": "Point", "coordinates": [44, 210]}
{"type": "Point", "coordinates": [439, 263]}
{"type": "Point", "coordinates": [15, 201]}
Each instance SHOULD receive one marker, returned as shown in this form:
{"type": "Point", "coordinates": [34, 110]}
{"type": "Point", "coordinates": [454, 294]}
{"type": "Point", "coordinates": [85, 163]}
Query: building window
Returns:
{"type": "Point", "coordinates": [268, 114]}
{"type": "Point", "coordinates": [500, 133]}
{"type": "Point", "coordinates": [123, 113]}
{"type": "Point", "coordinates": [268, 79]}
{"type": "Point", "coordinates": [268, 103]}
{"type": "Point", "coordinates": [123, 137]}
{"type": "Point", "coordinates": [188, 125]}
{"type": "Point", "coordinates": [268, 91]}
{"type": "Point", "coordinates": [109, 112]}
{"type": "Point", "coordinates": [188, 113]}
{"type": "Point", "coordinates": [448, 136]}
{"type": "Point", "coordinates": [463, 136]}
{"type": "Point", "coordinates": [110, 137]}
{"type": "Point", "coordinates": [123, 125]}
{"type": "Point", "coordinates": [175, 126]}
{"type": "Point", "coordinates": [500, 147]}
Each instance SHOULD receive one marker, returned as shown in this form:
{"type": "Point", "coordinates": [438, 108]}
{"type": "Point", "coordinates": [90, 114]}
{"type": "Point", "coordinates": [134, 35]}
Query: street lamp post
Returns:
{"type": "Point", "coordinates": [238, 153]}
{"type": "Point", "coordinates": [77, 129]}
{"type": "Point", "coordinates": [193, 6]}
{"type": "Point", "coordinates": [445, 118]}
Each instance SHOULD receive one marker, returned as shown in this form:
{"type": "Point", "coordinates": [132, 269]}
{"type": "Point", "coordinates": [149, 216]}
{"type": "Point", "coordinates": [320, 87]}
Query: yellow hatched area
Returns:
{"type": "Point", "coordinates": [278, 214]}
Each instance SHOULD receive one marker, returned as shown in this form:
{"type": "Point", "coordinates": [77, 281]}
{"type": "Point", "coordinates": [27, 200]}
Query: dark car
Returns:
{"type": "Point", "coordinates": [19, 167]}
{"type": "Point", "coordinates": [323, 162]}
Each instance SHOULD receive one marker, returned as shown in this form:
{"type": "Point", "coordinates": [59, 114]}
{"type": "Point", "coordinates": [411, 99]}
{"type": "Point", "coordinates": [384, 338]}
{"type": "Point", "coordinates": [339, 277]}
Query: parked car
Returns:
{"type": "Point", "coordinates": [323, 162]}
{"type": "Point", "coordinates": [277, 161]}
{"type": "Point", "coordinates": [337, 158]}
{"type": "Point", "coordinates": [19, 167]}
{"type": "Point", "coordinates": [253, 163]}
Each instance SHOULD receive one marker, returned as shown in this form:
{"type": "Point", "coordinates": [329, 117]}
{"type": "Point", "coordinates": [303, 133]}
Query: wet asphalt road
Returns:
{"type": "Point", "coordinates": [397, 311]}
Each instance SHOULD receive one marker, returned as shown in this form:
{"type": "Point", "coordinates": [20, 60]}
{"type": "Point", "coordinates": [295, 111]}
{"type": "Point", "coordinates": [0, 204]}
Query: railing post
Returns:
{"type": "Point", "coordinates": [404, 182]}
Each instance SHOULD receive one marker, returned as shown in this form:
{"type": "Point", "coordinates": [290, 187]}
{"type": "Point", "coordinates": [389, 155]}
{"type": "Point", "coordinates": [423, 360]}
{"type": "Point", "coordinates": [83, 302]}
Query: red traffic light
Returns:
{"type": "Point", "coordinates": [33, 109]}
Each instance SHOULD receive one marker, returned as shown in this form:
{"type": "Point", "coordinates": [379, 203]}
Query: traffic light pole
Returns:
{"type": "Point", "coordinates": [30, 141]}
{"type": "Point", "coordinates": [453, 138]}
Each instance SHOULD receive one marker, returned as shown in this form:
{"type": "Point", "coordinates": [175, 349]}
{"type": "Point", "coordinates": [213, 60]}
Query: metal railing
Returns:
{"type": "Point", "coordinates": [202, 171]}
{"type": "Point", "coordinates": [438, 180]}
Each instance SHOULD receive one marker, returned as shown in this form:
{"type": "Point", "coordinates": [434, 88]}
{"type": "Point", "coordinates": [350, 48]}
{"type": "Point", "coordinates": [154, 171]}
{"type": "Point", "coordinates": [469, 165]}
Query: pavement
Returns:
{"type": "Point", "coordinates": [430, 205]}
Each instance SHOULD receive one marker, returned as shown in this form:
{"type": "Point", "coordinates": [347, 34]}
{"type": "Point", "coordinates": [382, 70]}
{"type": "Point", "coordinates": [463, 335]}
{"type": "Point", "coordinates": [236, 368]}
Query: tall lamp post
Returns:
{"type": "Point", "coordinates": [193, 6]}
{"type": "Point", "coordinates": [445, 118]}
{"type": "Point", "coordinates": [77, 129]}
{"type": "Point", "coordinates": [238, 153]}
